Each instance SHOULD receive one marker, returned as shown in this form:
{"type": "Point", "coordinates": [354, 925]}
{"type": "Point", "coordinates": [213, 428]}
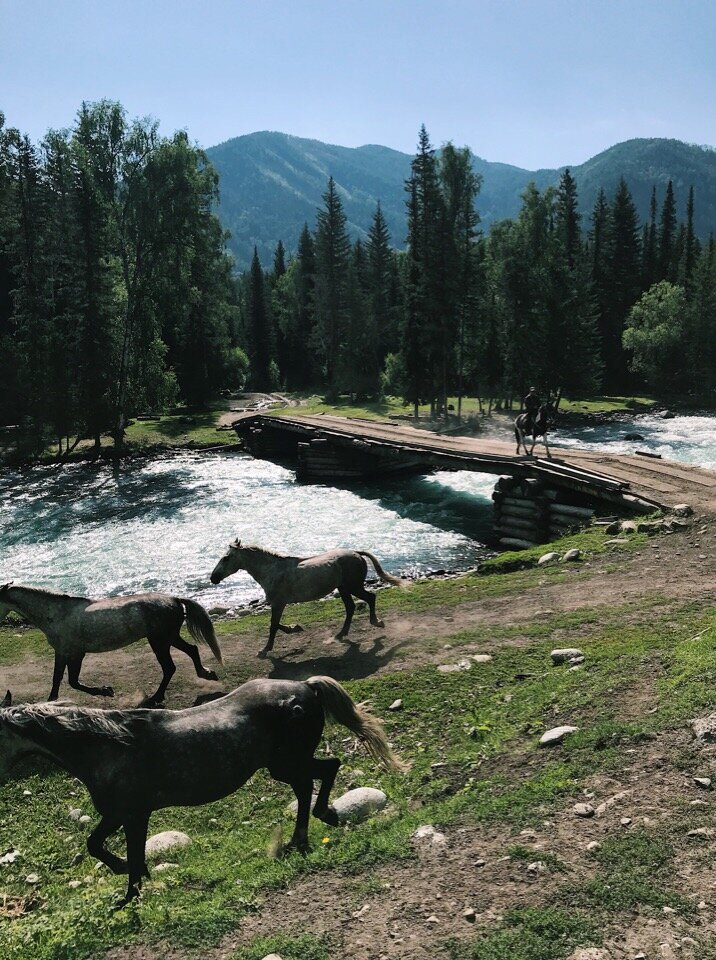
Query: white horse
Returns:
{"type": "Point", "coordinates": [75, 626]}
{"type": "Point", "coordinates": [298, 579]}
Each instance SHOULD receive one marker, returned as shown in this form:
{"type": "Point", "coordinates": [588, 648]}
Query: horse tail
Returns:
{"type": "Point", "coordinates": [388, 577]}
{"type": "Point", "coordinates": [200, 626]}
{"type": "Point", "coordinates": [338, 705]}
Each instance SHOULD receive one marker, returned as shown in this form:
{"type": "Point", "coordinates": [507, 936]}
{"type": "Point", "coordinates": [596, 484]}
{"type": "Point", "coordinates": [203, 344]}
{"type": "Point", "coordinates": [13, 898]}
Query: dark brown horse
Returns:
{"type": "Point", "coordinates": [136, 761]}
{"type": "Point", "coordinates": [535, 427]}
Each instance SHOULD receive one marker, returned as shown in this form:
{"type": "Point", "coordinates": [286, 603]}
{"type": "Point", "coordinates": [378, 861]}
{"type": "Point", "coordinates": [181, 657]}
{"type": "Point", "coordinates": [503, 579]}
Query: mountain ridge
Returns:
{"type": "Point", "coordinates": [271, 183]}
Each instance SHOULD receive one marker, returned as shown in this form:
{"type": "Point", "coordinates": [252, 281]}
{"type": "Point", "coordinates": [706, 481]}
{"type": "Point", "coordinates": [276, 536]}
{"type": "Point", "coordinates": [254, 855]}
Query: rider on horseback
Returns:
{"type": "Point", "coordinates": [532, 402]}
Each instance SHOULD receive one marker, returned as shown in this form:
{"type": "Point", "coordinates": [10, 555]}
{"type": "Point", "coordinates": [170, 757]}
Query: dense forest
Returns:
{"type": "Point", "coordinates": [117, 295]}
{"type": "Point", "coordinates": [544, 299]}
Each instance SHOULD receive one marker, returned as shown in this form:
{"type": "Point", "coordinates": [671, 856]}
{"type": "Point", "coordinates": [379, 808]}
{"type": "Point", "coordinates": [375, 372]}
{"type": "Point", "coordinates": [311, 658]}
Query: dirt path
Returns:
{"type": "Point", "coordinates": [678, 567]}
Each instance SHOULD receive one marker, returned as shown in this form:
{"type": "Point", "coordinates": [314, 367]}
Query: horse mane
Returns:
{"type": "Point", "coordinates": [255, 548]}
{"type": "Point", "coordinates": [51, 717]}
{"type": "Point", "coordinates": [44, 592]}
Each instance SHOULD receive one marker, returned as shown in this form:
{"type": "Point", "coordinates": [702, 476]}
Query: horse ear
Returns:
{"type": "Point", "coordinates": [5, 586]}
{"type": "Point", "coordinates": [7, 700]}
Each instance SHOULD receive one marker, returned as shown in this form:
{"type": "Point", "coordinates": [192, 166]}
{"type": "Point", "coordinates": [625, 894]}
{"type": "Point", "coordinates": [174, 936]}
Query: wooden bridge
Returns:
{"type": "Point", "coordinates": [340, 448]}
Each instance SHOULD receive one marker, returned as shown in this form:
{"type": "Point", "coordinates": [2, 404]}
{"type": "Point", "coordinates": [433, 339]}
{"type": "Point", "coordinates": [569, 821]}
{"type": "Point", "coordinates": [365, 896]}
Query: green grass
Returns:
{"type": "Point", "coordinates": [483, 726]}
{"type": "Point", "coordinates": [312, 404]}
{"type": "Point", "coordinates": [178, 430]}
{"type": "Point", "coordinates": [529, 933]}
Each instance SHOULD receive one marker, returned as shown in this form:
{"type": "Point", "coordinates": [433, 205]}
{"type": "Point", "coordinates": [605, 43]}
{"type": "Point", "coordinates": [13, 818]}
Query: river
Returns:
{"type": "Point", "coordinates": [102, 529]}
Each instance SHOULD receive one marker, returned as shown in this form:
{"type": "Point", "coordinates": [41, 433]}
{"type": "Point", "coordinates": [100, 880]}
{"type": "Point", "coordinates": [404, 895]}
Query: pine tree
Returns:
{"type": "Point", "coordinates": [333, 251]}
{"type": "Point", "coordinates": [667, 261]}
{"type": "Point", "coordinates": [690, 252]}
{"type": "Point", "coordinates": [259, 327]}
{"type": "Point", "coordinates": [279, 261]}
{"type": "Point", "coordinates": [650, 261]}
{"type": "Point", "coordinates": [622, 285]}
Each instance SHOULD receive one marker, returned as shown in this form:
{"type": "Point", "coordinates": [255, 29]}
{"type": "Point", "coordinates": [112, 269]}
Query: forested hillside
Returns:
{"type": "Point", "coordinates": [118, 296]}
{"type": "Point", "coordinates": [271, 183]}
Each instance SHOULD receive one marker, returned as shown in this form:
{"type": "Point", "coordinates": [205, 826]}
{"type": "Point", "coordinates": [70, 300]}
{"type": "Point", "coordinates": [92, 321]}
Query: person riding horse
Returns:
{"type": "Point", "coordinates": [532, 402]}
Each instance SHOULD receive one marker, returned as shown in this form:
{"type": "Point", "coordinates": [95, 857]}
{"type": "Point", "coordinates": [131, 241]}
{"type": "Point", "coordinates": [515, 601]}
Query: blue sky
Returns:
{"type": "Point", "coordinates": [537, 83]}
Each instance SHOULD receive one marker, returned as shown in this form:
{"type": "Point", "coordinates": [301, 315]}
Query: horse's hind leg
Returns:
{"type": "Point", "coordinates": [73, 672]}
{"type": "Point", "coordinates": [325, 771]}
{"type": "Point", "coordinates": [350, 610]}
{"type": "Point", "coordinates": [369, 598]}
{"type": "Point", "coordinates": [96, 847]}
{"type": "Point", "coordinates": [546, 446]}
{"type": "Point", "coordinates": [303, 788]}
{"type": "Point", "coordinates": [163, 655]}
{"type": "Point", "coordinates": [57, 675]}
{"type": "Point", "coordinates": [192, 651]}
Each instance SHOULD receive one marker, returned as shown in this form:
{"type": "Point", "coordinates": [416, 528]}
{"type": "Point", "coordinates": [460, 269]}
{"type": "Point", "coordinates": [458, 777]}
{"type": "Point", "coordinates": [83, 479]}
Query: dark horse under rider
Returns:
{"type": "Point", "coordinates": [532, 402]}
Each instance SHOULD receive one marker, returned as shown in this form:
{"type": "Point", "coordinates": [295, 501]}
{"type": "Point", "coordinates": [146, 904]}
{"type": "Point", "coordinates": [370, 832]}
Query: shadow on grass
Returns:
{"type": "Point", "coordinates": [173, 427]}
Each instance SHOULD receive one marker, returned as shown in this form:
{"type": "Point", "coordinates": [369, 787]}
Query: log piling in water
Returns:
{"type": "Point", "coordinates": [529, 511]}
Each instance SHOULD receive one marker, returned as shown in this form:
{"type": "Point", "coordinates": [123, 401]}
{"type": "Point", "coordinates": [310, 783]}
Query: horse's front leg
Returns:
{"type": "Point", "coordinates": [546, 446]}
{"type": "Point", "coordinates": [135, 831]}
{"type": "Point", "coordinates": [276, 614]}
{"type": "Point", "coordinates": [95, 844]}
{"type": "Point", "coordinates": [73, 672]}
{"type": "Point", "coordinates": [57, 675]}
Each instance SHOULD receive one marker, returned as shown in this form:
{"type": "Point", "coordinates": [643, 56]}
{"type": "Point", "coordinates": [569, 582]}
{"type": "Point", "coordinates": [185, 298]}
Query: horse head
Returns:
{"type": "Point", "coordinates": [229, 563]}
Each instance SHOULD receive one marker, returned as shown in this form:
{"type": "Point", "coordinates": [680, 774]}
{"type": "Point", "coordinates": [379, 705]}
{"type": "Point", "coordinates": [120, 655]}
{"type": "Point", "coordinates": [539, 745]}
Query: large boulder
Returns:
{"type": "Point", "coordinates": [704, 728]}
{"type": "Point", "coordinates": [166, 840]}
{"type": "Point", "coordinates": [565, 654]}
{"type": "Point", "coordinates": [546, 558]}
{"type": "Point", "coordinates": [359, 804]}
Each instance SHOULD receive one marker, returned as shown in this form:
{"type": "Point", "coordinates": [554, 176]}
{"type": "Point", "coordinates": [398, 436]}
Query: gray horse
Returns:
{"type": "Point", "coordinates": [298, 579]}
{"type": "Point", "coordinates": [136, 761]}
{"type": "Point", "coordinates": [75, 626]}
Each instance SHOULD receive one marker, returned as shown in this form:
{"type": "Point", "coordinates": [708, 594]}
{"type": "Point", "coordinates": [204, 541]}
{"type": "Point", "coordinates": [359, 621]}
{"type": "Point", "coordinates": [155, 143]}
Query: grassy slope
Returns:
{"type": "Point", "coordinates": [312, 404]}
{"type": "Point", "coordinates": [472, 722]}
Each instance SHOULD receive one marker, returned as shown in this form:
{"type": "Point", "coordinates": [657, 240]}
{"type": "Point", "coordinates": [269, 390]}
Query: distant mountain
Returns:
{"type": "Point", "coordinates": [272, 183]}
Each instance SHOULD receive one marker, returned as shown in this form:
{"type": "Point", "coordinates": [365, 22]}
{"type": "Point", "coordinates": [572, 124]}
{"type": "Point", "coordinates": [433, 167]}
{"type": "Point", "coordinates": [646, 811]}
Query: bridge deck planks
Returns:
{"type": "Point", "coordinates": [661, 481]}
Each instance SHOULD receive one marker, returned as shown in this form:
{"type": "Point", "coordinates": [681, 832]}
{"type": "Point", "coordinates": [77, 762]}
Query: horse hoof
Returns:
{"type": "Point", "coordinates": [297, 628]}
{"type": "Point", "coordinates": [328, 816]}
{"type": "Point", "coordinates": [341, 636]}
{"type": "Point", "coordinates": [302, 848]}
{"type": "Point", "coordinates": [377, 623]}
{"type": "Point", "coordinates": [107, 691]}
{"type": "Point", "coordinates": [262, 654]}
{"type": "Point", "coordinates": [210, 675]}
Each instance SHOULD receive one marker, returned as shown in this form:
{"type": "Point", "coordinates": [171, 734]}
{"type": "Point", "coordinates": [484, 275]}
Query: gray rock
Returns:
{"type": "Point", "coordinates": [613, 527]}
{"type": "Point", "coordinates": [428, 836]}
{"type": "Point", "coordinates": [10, 857]}
{"type": "Point", "coordinates": [462, 664]}
{"type": "Point", "coordinates": [616, 542]}
{"type": "Point", "coordinates": [74, 884]}
{"type": "Point", "coordinates": [588, 953]}
{"type": "Point", "coordinates": [273, 956]}
{"type": "Point", "coordinates": [481, 658]}
{"type": "Point", "coordinates": [583, 810]}
{"type": "Point", "coordinates": [628, 526]}
{"type": "Point", "coordinates": [396, 705]}
{"type": "Point", "coordinates": [75, 813]}
{"type": "Point", "coordinates": [359, 804]}
{"type": "Point", "coordinates": [701, 833]}
{"type": "Point", "coordinates": [161, 867]}
{"type": "Point", "coordinates": [556, 735]}
{"type": "Point", "coordinates": [704, 782]}
{"type": "Point", "coordinates": [84, 819]}
{"type": "Point", "coordinates": [573, 554]}
{"type": "Point", "coordinates": [546, 558]}
{"type": "Point", "coordinates": [166, 840]}
{"type": "Point", "coordinates": [682, 510]}
{"type": "Point", "coordinates": [704, 728]}
{"type": "Point", "coordinates": [539, 866]}
{"type": "Point", "coordinates": [32, 879]}
{"type": "Point", "coordinates": [565, 654]}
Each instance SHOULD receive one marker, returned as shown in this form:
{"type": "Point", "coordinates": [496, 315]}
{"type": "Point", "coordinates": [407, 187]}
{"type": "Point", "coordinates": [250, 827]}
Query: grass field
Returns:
{"type": "Point", "coordinates": [472, 741]}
